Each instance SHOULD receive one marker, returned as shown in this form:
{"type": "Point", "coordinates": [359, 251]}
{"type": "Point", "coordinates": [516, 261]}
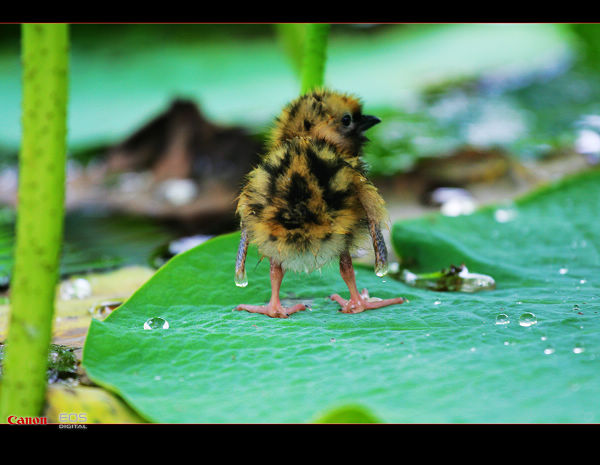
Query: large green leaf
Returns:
{"type": "Point", "coordinates": [441, 357]}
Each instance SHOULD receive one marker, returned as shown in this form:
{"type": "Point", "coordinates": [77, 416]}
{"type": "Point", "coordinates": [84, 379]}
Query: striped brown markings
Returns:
{"type": "Point", "coordinates": [381, 254]}
{"type": "Point", "coordinates": [324, 171]}
{"type": "Point", "coordinates": [299, 116]}
{"type": "Point", "coordinates": [298, 191]}
{"type": "Point", "coordinates": [240, 261]}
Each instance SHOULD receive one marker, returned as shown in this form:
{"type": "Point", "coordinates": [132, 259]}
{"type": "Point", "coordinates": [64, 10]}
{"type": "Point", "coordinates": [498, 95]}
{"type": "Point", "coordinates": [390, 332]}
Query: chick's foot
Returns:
{"type": "Point", "coordinates": [272, 310]}
{"type": "Point", "coordinates": [361, 302]}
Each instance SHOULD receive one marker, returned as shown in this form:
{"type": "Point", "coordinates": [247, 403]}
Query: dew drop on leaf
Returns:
{"type": "Point", "coordinates": [156, 323]}
{"type": "Point", "coordinates": [502, 319]}
{"type": "Point", "coordinates": [103, 309]}
{"type": "Point", "coordinates": [504, 215]}
{"type": "Point", "coordinates": [527, 319]}
{"type": "Point", "coordinates": [241, 280]}
{"type": "Point", "coordinates": [78, 288]}
{"type": "Point", "coordinates": [381, 269]}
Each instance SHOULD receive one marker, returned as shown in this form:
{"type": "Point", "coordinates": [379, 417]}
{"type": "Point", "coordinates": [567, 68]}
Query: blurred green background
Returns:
{"type": "Point", "coordinates": [528, 91]}
{"type": "Point", "coordinates": [122, 75]}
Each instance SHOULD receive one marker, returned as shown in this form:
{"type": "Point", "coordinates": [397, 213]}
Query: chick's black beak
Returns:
{"type": "Point", "coordinates": [367, 121]}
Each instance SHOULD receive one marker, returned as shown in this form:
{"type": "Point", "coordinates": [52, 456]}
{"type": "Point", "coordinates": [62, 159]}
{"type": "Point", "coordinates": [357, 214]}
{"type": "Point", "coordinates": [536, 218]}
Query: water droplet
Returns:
{"type": "Point", "coordinates": [437, 302]}
{"type": "Point", "coordinates": [502, 319]}
{"type": "Point", "coordinates": [381, 269]}
{"type": "Point", "coordinates": [241, 280]}
{"type": "Point", "coordinates": [178, 192]}
{"type": "Point", "coordinates": [472, 282]}
{"type": "Point", "coordinates": [549, 350]}
{"type": "Point", "coordinates": [504, 215]}
{"type": "Point", "coordinates": [582, 281]}
{"type": "Point", "coordinates": [506, 343]}
{"type": "Point", "coordinates": [103, 309]}
{"type": "Point", "coordinates": [332, 339]}
{"type": "Point", "coordinates": [472, 349]}
{"type": "Point", "coordinates": [578, 349]}
{"type": "Point", "coordinates": [78, 288]}
{"type": "Point", "coordinates": [457, 207]}
{"type": "Point", "coordinates": [527, 319]}
{"type": "Point", "coordinates": [453, 201]}
{"type": "Point", "coordinates": [563, 270]}
{"type": "Point", "coordinates": [543, 338]}
{"type": "Point", "coordinates": [587, 142]}
{"type": "Point", "coordinates": [409, 277]}
{"type": "Point", "coordinates": [454, 278]}
{"type": "Point", "coordinates": [156, 323]}
{"type": "Point", "coordinates": [575, 307]}
{"type": "Point", "coordinates": [157, 378]}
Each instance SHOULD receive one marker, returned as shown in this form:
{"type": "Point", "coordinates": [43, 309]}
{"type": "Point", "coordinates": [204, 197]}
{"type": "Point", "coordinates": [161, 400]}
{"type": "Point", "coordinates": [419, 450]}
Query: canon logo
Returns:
{"type": "Point", "coordinates": [14, 420]}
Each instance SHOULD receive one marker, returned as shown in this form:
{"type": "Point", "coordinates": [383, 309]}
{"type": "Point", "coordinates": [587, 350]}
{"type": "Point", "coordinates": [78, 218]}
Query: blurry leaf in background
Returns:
{"type": "Point", "coordinates": [536, 116]}
{"type": "Point", "coordinates": [93, 241]}
{"type": "Point", "coordinates": [83, 404]}
{"type": "Point", "coordinates": [125, 76]}
{"type": "Point", "coordinates": [589, 36]}
{"type": "Point", "coordinates": [524, 352]}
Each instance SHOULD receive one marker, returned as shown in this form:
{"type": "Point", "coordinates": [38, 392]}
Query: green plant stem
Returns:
{"type": "Point", "coordinates": [39, 228]}
{"type": "Point", "coordinates": [315, 56]}
{"type": "Point", "coordinates": [291, 36]}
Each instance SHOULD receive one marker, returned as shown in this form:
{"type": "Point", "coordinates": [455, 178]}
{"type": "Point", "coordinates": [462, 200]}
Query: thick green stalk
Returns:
{"type": "Point", "coordinates": [291, 36]}
{"type": "Point", "coordinates": [39, 230]}
{"type": "Point", "coordinates": [315, 56]}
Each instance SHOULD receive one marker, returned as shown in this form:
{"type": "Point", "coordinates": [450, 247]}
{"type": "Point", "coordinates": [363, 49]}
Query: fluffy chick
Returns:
{"type": "Point", "coordinates": [309, 201]}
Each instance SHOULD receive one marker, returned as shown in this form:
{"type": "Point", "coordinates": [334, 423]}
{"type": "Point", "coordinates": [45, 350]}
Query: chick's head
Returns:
{"type": "Point", "coordinates": [326, 115]}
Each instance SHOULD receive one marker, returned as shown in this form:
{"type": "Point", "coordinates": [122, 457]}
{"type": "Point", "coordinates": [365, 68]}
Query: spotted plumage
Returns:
{"type": "Point", "coordinates": [309, 200]}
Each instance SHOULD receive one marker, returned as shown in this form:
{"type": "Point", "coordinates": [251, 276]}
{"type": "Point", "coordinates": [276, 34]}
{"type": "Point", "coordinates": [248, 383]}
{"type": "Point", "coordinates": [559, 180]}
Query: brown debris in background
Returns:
{"type": "Point", "coordinates": [179, 167]}
{"type": "Point", "coordinates": [182, 143]}
{"type": "Point", "coordinates": [465, 166]}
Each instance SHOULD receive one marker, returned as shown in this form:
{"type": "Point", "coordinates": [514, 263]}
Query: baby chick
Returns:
{"type": "Point", "coordinates": [309, 201]}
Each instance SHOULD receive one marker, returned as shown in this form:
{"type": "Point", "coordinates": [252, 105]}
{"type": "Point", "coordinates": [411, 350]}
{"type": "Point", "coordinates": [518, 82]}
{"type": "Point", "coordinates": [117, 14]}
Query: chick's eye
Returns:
{"type": "Point", "coordinates": [346, 120]}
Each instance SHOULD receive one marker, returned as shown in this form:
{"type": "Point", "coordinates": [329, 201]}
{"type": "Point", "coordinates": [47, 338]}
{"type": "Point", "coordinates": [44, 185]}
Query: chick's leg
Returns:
{"type": "Point", "coordinates": [274, 308]}
{"type": "Point", "coordinates": [358, 302]}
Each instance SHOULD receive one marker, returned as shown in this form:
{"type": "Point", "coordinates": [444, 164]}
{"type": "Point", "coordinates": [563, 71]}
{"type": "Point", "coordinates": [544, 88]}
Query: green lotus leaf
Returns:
{"type": "Point", "coordinates": [441, 357]}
